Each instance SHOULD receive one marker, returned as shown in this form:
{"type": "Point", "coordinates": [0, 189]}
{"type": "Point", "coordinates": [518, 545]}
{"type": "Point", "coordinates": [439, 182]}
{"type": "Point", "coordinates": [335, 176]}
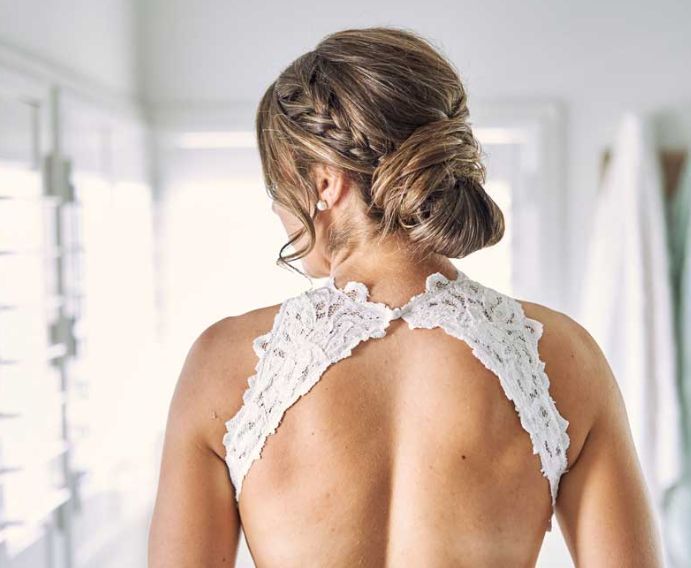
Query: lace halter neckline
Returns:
{"type": "Point", "coordinates": [359, 292]}
{"type": "Point", "coordinates": [321, 326]}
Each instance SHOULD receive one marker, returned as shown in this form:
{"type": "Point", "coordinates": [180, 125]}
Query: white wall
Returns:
{"type": "Point", "coordinates": [95, 41]}
{"type": "Point", "coordinates": [596, 57]}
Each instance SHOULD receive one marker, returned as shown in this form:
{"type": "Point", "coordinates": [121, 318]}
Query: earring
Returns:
{"type": "Point", "coordinates": [321, 205]}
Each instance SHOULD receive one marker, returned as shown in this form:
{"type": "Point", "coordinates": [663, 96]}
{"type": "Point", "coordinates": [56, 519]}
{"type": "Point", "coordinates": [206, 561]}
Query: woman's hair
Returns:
{"type": "Point", "coordinates": [383, 107]}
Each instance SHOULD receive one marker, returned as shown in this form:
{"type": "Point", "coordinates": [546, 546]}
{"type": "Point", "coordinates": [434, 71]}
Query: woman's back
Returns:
{"type": "Point", "coordinates": [425, 435]}
{"type": "Point", "coordinates": [407, 449]}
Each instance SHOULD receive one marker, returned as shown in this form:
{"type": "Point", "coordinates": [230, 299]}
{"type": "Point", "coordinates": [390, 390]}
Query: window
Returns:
{"type": "Point", "coordinates": [33, 446]}
{"type": "Point", "coordinates": [79, 356]}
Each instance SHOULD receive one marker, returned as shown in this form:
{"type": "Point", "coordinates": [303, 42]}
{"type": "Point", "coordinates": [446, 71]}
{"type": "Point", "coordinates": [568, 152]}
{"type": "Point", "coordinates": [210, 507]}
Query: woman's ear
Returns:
{"type": "Point", "coordinates": [332, 184]}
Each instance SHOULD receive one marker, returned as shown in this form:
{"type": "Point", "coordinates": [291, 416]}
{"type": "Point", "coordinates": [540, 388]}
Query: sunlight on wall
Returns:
{"type": "Point", "coordinates": [114, 414]}
{"type": "Point", "coordinates": [493, 265]}
{"type": "Point", "coordinates": [30, 438]}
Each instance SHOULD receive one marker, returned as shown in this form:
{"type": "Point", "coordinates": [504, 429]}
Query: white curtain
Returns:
{"type": "Point", "coordinates": [627, 301]}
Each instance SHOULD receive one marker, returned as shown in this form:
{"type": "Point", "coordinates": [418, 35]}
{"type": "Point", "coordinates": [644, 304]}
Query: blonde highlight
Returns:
{"type": "Point", "coordinates": [383, 107]}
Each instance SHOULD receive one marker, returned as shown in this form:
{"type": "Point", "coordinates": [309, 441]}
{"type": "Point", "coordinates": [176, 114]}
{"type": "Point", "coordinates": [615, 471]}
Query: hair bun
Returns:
{"type": "Point", "coordinates": [431, 187]}
{"type": "Point", "coordinates": [386, 108]}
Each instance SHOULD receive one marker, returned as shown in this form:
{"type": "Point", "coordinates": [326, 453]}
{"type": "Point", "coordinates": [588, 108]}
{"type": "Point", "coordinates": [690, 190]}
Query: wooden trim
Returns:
{"type": "Point", "coordinates": [672, 162]}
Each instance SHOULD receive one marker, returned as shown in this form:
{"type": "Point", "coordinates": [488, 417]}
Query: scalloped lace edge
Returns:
{"type": "Point", "coordinates": [277, 417]}
{"type": "Point", "coordinates": [553, 477]}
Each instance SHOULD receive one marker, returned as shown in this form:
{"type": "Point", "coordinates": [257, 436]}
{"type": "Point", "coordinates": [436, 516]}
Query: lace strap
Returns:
{"type": "Point", "coordinates": [555, 439]}
{"type": "Point", "coordinates": [495, 326]}
{"type": "Point", "coordinates": [238, 428]}
{"type": "Point", "coordinates": [311, 332]}
{"type": "Point", "coordinates": [322, 326]}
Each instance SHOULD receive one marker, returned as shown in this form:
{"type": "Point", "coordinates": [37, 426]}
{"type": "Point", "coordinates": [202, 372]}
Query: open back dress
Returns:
{"type": "Point", "coordinates": [322, 325]}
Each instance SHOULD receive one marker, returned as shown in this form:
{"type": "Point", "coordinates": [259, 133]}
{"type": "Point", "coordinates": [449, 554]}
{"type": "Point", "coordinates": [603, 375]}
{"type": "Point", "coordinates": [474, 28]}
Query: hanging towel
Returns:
{"type": "Point", "coordinates": [627, 302]}
{"type": "Point", "coordinates": [679, 224]}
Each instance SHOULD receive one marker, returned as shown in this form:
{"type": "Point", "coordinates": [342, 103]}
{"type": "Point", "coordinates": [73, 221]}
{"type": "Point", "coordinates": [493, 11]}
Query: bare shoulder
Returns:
{"type": "Point", "coordinates": [604, 507]}
{"type": "Point", "coordinates": [216, 369]}
{"type": "Point", "coordinates": [581, 382]}
{"type": "Point", "coordinates": [195, 521]}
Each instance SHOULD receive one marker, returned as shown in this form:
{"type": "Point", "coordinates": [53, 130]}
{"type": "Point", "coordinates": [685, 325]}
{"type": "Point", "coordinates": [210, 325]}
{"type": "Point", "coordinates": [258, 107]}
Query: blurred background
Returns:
{"type": "Point", "coordinates": [133, 215]}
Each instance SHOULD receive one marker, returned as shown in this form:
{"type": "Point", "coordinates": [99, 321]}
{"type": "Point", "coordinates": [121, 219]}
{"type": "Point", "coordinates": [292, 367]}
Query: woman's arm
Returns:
{"type": "Point", "coordinates": [603, 506]}
{"type": "Point", "coordinates": [195, 520]}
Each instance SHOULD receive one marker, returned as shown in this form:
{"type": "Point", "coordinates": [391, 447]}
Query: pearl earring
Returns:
{"type": "Point", "coordinates": [321, 205]}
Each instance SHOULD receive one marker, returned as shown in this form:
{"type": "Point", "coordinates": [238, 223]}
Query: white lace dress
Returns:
{"type": "Point", "coordinates": [321, 326]}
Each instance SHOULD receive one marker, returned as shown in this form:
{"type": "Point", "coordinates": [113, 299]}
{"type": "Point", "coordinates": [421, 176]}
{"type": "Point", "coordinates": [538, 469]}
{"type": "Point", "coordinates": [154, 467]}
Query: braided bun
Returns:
{"type": "Point", "coordinates": [384, 107]}
{"type": "Point", "coordinates": [432, 188]}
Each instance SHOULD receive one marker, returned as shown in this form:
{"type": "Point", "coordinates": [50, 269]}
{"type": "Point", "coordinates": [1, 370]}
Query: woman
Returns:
{"type": "Point", "coordinates": [401, 413]}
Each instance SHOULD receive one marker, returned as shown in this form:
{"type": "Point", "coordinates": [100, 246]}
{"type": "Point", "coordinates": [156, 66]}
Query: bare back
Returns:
{"type": "Point", "coordinates": [405, 451]}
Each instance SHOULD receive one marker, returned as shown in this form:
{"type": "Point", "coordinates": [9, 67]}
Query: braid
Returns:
{"type": "Point", "coordinates": [383, 107]}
